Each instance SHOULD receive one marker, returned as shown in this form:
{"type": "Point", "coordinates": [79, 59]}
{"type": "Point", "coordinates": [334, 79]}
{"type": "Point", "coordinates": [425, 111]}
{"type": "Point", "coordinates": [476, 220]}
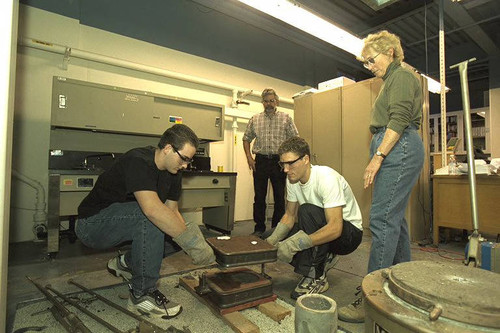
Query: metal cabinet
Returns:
{"type": "Point", "coordinates": [85, 105]}
{"type": "Point", "coordinates": [335, 123]}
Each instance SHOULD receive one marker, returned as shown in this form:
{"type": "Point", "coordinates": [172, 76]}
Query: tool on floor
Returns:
{"type": "Point", "coordinates": [143, 325]}
{"type": "Point", "coordinates": [30, 329]}
{"type": "Point", "coordinates": [73, 324]}
{"type": "Point", "coordinates": [68, 320]}
{"type": "Point", "coordinates": [473, 255]}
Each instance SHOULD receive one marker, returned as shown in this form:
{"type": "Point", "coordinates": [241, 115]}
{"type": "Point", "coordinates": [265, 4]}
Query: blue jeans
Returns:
{"type": "Point", "coordinates": [391, 191]}
{"type": "Point", "coordinates": [121, 222]}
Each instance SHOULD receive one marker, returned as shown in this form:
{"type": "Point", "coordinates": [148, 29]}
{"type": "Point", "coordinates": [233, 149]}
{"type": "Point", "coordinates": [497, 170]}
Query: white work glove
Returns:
{"type": "Point", "coordinates": [195, 245]}
{"type": "Point", "coordinates": [278, 234]}
{"type": "Point", "coordinates": [298, 242]}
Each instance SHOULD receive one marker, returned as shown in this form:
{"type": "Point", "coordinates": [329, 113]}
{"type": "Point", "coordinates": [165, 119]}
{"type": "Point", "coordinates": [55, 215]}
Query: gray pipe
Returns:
{"type": "Point", "coordinates": [40, 216]}
{"type": "Point", "coordinates": [462, 69]}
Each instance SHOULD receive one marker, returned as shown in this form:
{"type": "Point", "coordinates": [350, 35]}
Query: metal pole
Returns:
{"type": "Point", "coordinates": [87, 312]}
{"type": "Point", "coordinates": [462, 68]}
{"type": "Point", "coordinates": [116, 306]}
{"type": "Point", "coordinates": [442, 78]}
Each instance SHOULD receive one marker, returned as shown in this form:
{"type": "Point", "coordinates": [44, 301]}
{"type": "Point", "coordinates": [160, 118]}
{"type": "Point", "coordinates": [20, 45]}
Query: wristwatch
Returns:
{"type": "Point", "coordinates": [379, 153]}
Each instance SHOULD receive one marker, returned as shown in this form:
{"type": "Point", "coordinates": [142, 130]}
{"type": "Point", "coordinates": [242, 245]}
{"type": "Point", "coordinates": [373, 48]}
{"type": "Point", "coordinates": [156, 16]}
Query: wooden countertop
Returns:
{"type": "Point", "coordinates": [465, 175]}
{"type": "Point", "coordinates": [207, 173]}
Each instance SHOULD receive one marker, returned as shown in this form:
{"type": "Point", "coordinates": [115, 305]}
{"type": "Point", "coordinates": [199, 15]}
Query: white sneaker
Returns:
{"type": "Point", "coordinates": [154, 304]}
{"type": "Point", "coordinates": [117, 269]}
{"type": "Point", "coordinates": [309, 285]}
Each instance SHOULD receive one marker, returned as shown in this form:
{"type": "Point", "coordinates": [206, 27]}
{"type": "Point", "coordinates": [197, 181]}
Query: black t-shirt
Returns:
{"type": "Point", "coordinates": [133, 171]}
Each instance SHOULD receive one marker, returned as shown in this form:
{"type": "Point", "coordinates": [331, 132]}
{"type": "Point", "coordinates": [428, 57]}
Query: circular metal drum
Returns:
{"type": "Point", "coordinates": [424, 296]}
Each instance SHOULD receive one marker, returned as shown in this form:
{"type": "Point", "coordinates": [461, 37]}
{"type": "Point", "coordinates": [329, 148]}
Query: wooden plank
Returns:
{"type": "Point", "coordinates": [239, 323]}
{"type": "Point", "coordinates": [248, 305]}
{"type": "Point", "coordinates": [274, 311]}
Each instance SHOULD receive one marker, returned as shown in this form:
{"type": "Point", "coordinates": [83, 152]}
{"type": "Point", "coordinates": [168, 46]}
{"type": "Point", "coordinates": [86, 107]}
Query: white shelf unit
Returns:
{"type": "Point", "coordinates": [480, 121]}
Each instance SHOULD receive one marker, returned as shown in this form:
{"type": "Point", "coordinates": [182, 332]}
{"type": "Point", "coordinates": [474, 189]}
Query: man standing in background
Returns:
{"type": "Point", "coordinates": [270, 129]}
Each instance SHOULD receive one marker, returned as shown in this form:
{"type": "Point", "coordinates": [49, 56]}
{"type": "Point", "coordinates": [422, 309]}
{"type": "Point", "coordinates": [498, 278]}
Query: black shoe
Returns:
{"type": "Point", "coordinates": [330, 261]}
{"type": "Point", "coordinates": [257, 233]}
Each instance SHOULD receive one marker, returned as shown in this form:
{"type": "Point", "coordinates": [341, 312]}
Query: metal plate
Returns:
{"type": "Point", "coordinates": [468, 295]}
{"type": "Point", "coordinates": [238, 286]}
{"type": "Point", "coordinates": [242, 250]}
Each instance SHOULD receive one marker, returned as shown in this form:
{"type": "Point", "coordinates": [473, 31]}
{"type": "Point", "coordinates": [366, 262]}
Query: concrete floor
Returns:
{"type": "Point", "coordinates": [88, 267]}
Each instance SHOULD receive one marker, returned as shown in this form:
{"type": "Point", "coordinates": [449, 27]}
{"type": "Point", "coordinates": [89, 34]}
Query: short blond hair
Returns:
{"type": "Point", "coordinates": [382, 42]}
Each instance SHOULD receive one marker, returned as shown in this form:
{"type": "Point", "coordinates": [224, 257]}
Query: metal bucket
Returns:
{"type": "Point", "coordinates": [424, 296]}
{"type": "Point", "coordinates": [315, 313]}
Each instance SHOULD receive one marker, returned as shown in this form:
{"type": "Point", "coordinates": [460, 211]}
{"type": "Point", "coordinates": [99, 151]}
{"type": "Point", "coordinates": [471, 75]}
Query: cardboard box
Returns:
{"type": "Point", "coordinates": [335, 83]}
{"type": "Point", "coordinates": [305, 93]}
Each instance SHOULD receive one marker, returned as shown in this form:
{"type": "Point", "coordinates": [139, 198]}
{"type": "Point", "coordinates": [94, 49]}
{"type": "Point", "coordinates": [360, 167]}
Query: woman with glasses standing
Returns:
{"type": "Point", "coordinates": [397, 155]}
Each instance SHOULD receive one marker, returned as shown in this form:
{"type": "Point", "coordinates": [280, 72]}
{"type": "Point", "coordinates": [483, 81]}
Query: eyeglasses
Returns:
{"type": "Point", "coordinates": [289, 163]}
{"type": "Point", "coordinates": [269, 101]}
{"type": "Point", "coordinates": [184, 159]}
{"type": "Point", "coordinates": [370, 61]}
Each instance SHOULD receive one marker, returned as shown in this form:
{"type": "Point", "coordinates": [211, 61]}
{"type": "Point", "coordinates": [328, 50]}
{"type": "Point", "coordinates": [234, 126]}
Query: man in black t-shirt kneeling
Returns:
{"type": "Point", "coordinates": [136, 200]}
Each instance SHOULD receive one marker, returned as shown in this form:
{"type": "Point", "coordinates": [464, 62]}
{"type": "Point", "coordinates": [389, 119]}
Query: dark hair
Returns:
{"type": "Point", "coordinates": [270, 91]}
{"type": "Point", "coordinates": [177, 136]}
{"type": "Point", "coordinates": [295, 145]}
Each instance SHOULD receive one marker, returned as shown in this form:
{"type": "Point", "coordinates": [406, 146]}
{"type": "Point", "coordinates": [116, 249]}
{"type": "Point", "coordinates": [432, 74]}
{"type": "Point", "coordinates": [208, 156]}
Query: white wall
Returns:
{"type": "Point", "coordinates": [33, 90]}
{"type": "Point", "coordinates": [8, 34]}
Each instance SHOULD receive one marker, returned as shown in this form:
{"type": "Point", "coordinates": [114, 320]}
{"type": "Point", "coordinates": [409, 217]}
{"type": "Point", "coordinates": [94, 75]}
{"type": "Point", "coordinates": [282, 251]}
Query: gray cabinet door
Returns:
{"type": "Point", "coordinates": [302, 117]}
{"type": "Point", "coordinates": [205, 119]}
{"type": "Point", "coordinates": [70, 109]}
{"type": "Point", "coordinates": [85, 105]}
{"type": "Point", "coordinates": [77, 104]}
{"type": "Point", "coordinates": [327, 128]}
{"type": "Point", "coordinates": [357, 100]}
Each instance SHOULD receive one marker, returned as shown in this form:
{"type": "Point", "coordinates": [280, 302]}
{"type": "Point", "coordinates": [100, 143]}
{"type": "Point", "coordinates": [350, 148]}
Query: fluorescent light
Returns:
{"type": "Point", "coordinates": [293, 14]}
{"type": "Point", "coordinates": [304, 20]}
{"type": "Point", "coordinates": [433, 85]}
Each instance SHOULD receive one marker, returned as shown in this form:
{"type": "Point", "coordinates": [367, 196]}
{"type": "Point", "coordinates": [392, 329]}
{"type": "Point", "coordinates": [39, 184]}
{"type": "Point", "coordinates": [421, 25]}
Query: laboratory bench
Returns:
{"type": "Point", "coordinates": [452, 205]}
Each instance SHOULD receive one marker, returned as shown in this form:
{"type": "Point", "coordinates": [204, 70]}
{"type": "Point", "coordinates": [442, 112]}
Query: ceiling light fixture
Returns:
{"type": "Point", "coordinates": [433, 85]}
{"type": "Point", "coordinates": [293, 14]}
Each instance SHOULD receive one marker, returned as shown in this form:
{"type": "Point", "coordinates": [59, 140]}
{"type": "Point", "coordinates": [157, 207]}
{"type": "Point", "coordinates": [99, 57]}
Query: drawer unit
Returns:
{"type": "Point", "coordinates": [208, 182]}
{"type": "Point", "coordinates": [214, 192]}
